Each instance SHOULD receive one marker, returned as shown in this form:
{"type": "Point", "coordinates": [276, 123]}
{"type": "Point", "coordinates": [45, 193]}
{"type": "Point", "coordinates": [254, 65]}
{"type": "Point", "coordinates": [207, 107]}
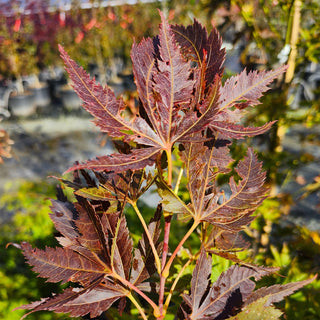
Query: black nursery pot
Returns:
{"type": "Point", "coordinates": [70, 99]}
{"type": "Point", "coordinates": [42, 96]}
{"type": "Point", "coordinates": [22, 105]}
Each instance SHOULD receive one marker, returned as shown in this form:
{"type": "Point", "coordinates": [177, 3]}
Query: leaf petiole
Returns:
{"type": "Point", "coordinates": [137, 290]}
{"type": "Point", "coordinates": [165, 237]}
{"type": "Point", "coordinates": [114, 242]}
{"type": "Point", "coordinates": [176, 188]}
{"type": "Point", "coordinates": [169, 159]}
{"type": "Point", "coordinates": [166, 305]}
{"type": "Point", "coordinates": [164, 259]}
{"type": "Point", "coordinates": [166, 269]}
{"type": "Point", "coordinates": [137, 305]}
{"type": "Point", "coordinates": [145, 227]}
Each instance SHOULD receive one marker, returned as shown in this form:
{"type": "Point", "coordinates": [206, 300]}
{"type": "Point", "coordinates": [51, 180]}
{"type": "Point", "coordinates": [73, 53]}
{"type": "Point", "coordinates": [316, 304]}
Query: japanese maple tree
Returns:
{"type": "Point", "coordinates": [185, 120]}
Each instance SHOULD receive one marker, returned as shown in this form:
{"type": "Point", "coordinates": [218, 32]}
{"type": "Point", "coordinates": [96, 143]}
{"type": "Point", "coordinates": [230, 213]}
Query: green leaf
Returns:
{"type": "Point", "coordinates": [95, 194]}
{"type": "Point", "coordinates": [258, 311]}
{"type": "Point", "coordinates": [171, 203]}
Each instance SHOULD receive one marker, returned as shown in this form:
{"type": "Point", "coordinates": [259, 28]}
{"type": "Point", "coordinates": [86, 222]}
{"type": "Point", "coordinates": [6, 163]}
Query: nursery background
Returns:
{"type": "Point", "coordinates": [43, 128]}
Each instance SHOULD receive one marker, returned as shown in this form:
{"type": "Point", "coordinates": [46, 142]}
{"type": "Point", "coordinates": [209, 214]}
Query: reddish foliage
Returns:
{"type": "Point", "coordinates": [182, 101]}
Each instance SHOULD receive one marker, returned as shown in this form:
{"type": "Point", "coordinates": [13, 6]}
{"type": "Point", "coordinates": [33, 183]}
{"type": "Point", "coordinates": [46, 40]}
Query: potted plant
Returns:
{"type": "Point", "coordinates": [47, 25]}
{"type": "Point", "coordinates": [17, 61]}
{"type": "Point", "coordinates": [97, 38]}
{"type": "Point", "coordinates": [41, 92]}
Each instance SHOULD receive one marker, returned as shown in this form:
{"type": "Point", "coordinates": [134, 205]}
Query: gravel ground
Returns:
{"type": "Point", "coordinates": [46, 146]}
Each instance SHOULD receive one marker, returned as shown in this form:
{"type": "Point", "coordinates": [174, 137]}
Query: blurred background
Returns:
{"type": "Point", "coordinates": [43, 128]}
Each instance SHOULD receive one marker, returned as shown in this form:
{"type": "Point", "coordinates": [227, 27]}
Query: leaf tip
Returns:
{"type": "Point", "coordinates": [61, 49]}
{"type": "Point", "coordinates": [16, 245]}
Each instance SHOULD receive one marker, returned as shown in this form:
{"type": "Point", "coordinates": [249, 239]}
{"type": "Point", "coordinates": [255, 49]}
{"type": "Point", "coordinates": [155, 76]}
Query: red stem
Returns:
{"type": "Point", "coordinates": [166, 269]}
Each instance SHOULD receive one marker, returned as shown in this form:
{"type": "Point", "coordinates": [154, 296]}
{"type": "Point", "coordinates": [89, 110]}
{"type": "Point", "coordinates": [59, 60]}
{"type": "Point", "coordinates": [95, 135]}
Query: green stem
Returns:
{"type": "Point", "coordinates": [165, 271]}
{"type": "Point", "coordinates": [169, 159]}
{"type": "Point", "coordinates": [135, 302]}
{"type": "Point", "coordinates": [176, 189]}
{"type": "Point", "coordinates": [114, 242]}
{"type": "Point", "coordinates": [166, 305]}
{"type": "Point", "coordinates": [154, 251]}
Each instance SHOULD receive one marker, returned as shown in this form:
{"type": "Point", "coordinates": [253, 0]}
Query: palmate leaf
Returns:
{"type": "Point", "coordinates": [170, 86]}
{"type": "Point", "coordinates": [235, 212]}
{"type": "Point", "coordinates": [178, 98]}
{"type": "Point", "coordinates": [232, 292]}
{"type": "Point", "coordinates": [164, 86]}
{"type": "Point", "coordinates": [225, 295]}
{"type": "Point", "coordinates": [97, 245]}
{"type": "Point", "coordinates": [203, 164]}
{"type": "Point", "coordinates": [107, 110]}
